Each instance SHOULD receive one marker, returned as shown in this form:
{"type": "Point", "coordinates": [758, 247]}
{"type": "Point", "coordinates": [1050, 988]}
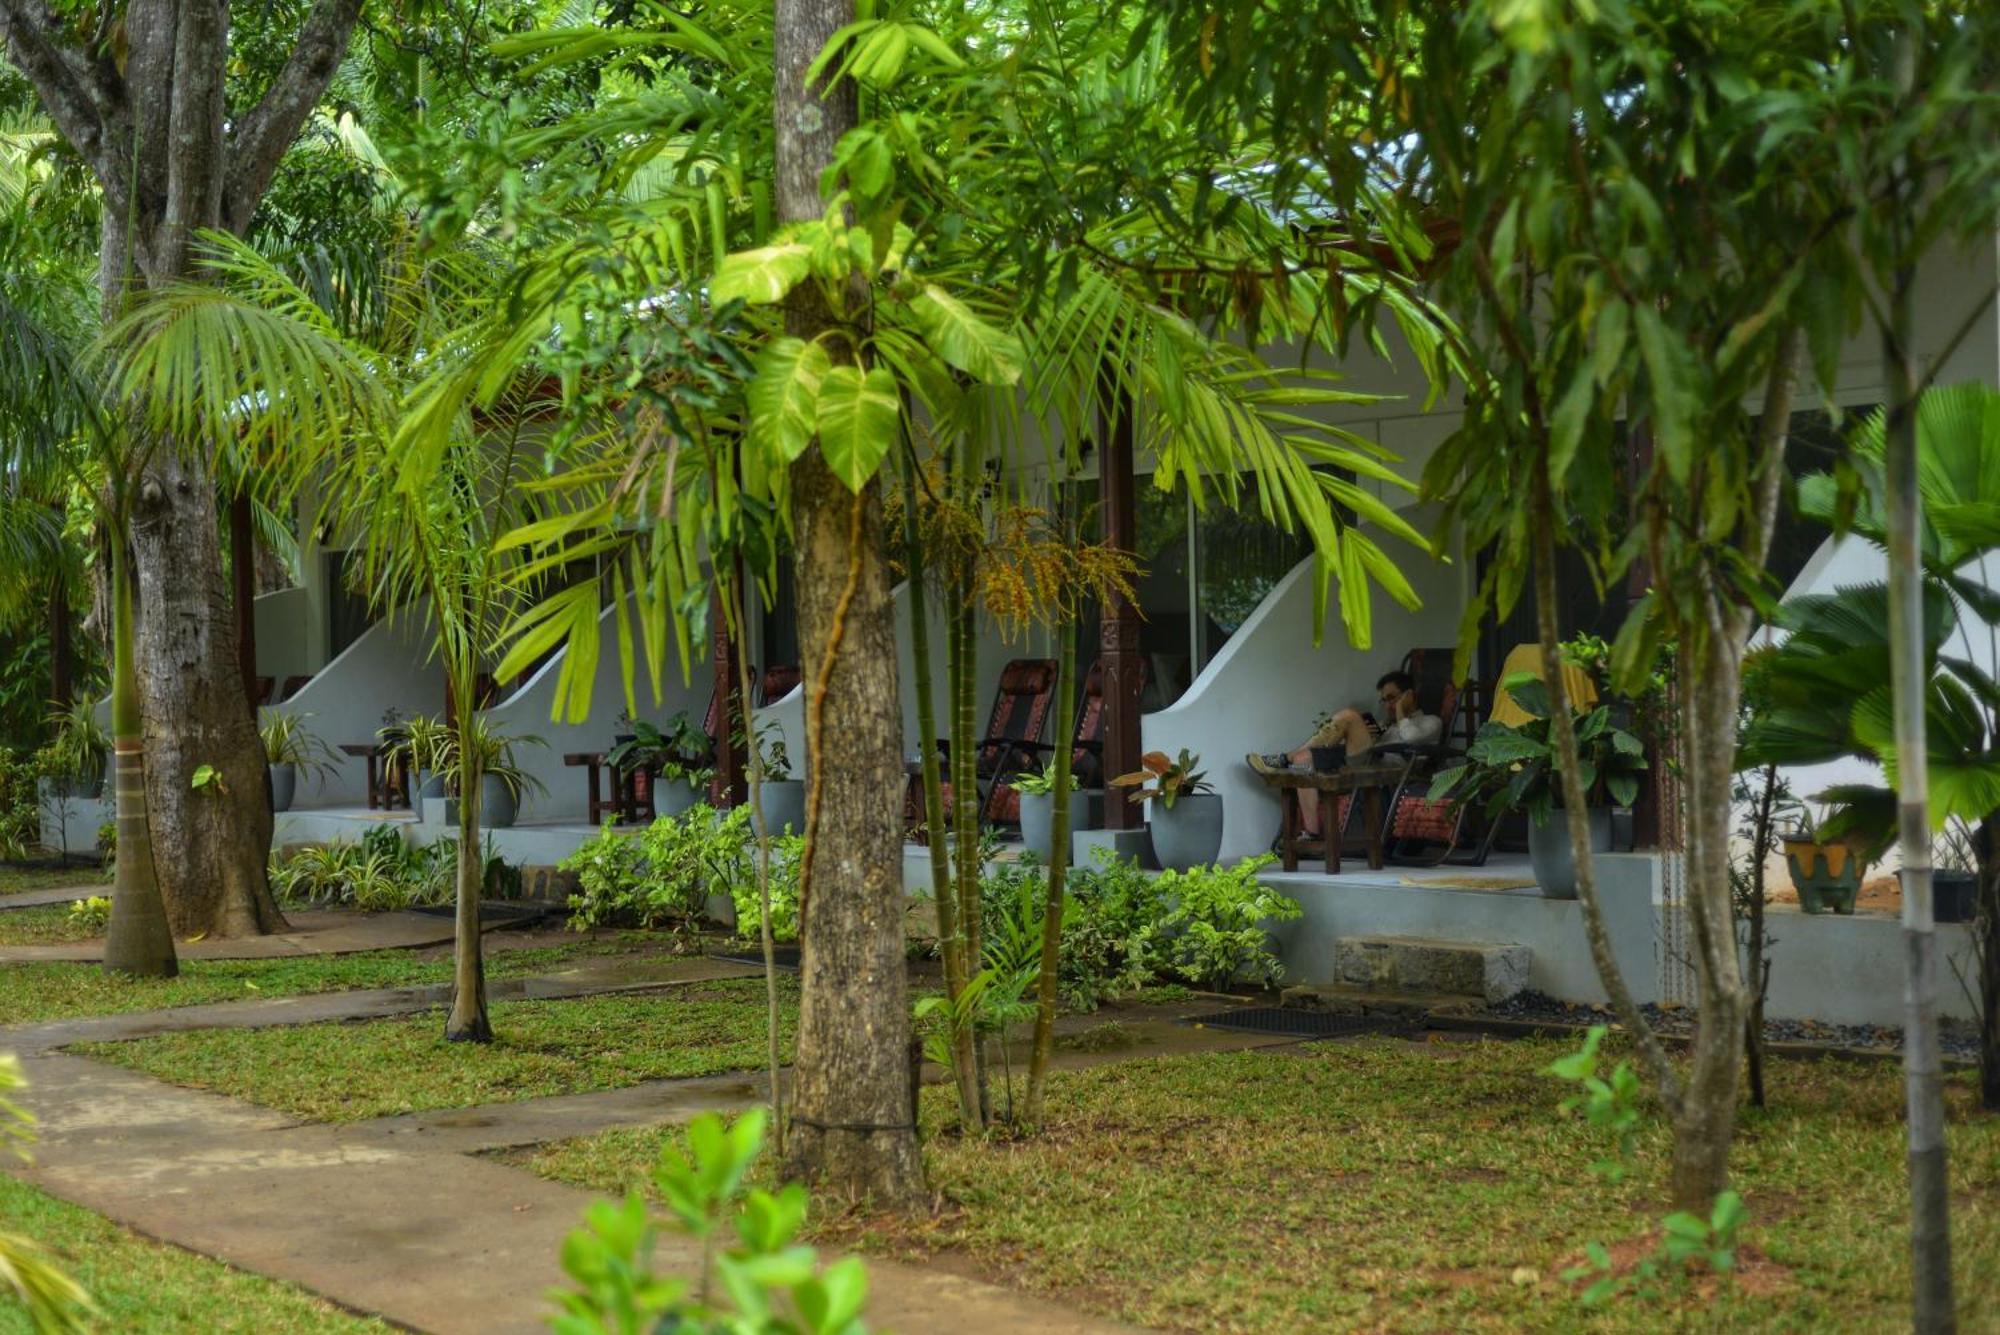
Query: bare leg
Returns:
{"type": "Point", "coordinates": [1348, 728]}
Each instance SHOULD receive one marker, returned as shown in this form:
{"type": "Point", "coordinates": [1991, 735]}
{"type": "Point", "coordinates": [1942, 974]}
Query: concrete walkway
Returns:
{"type": "Point", "coordinates": [397, 1216]}
{"type": "Point", "coordinates": [62, 894]}
{"type": "Point", "coordinates": [313, 932]}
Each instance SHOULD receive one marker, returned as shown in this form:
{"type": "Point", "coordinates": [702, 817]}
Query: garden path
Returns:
{"type": "Point", "coordinates": [400, 1216]}
{"type": "Point", "coordinates": [313, 932]}
{"type": "Point", "coordinates": [61, 894]}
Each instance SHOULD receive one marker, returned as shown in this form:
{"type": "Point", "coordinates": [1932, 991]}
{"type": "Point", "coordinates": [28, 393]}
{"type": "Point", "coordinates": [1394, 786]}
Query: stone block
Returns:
{"type": "Point", "coordinates": [1491, 971]}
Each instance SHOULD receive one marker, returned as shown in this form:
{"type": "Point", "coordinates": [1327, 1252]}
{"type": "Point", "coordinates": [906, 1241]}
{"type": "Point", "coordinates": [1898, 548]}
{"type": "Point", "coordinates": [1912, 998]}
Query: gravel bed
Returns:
{"type": "Point", "coordinates": [1959, 1039]}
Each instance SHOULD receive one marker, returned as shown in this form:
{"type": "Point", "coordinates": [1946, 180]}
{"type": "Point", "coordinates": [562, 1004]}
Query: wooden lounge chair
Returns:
{"type": "Point", "coordinates": [1010, 745]}
{"type": "Point", "coordinates": [293, 685]}
{"type": "Point", "coordinates": [1421, 830]}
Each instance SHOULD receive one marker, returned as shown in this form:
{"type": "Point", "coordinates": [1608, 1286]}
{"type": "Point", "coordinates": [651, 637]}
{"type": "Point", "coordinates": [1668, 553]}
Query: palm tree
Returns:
{"type": "Point", "coordinates": [56, 431]}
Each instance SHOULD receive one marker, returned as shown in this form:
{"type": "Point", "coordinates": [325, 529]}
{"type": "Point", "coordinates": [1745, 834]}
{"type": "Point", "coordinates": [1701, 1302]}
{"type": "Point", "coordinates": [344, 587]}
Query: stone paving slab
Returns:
{"type": "Point", "coordinates": [62, 894]}
{"type": "Point", "coordinates": [437, 1241]}
{"type": "Point", "coordinates": [313, 932]}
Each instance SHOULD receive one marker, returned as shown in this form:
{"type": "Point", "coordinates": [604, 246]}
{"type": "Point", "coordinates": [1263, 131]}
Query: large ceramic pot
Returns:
{"type": "Point", "coordinates": [1551, 854]}
{"type": "Point", "coordinates": [673, 796]}
{"type": "Point", "coordinates": [497, 807]}
{"type": "Point", "coordinates": [429, 784]}
{"type": "Point", "coordinates": [1038, 814]}
{"type": "Point", "coordinates": [784, 805]}
{"type": "Point", "coordinates": [1187, 834]}
{"type": "Point", "coordinates": [1827, 876]}
{"type": "Point", "coordinates": [1954, 895]}
{"type": "Point", "coordinates": [284, 786]}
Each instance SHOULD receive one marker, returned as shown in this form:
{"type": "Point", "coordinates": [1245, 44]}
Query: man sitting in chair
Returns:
{"type": "Point", "coordinates": [1359, 733]}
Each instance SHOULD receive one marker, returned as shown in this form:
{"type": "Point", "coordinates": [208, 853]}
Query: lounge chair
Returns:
{"type": "Point", "coordinates": [1010, 745]}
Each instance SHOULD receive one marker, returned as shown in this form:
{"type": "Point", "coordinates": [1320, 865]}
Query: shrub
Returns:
{"type": "Point", "coordinates": [1124, 928]}
{"type": "Point", "coordinates": [787, 853]}
{"type": "Point", "coordinates": [20, 807]}
{"type": "Point", "coordinates": [665, 873]}
{"type": "Point", "coordinates": [91, 916]}
{"type": "Point", "coordinates": [379, 874]}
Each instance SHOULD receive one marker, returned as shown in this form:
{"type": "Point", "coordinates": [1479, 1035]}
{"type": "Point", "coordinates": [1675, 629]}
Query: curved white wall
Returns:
{"type": "Point", "coordinates": [280, 622]}
{"type": "Point", "coordinates": [527, 710]}
{"type": "Point", "coordinates": [1262, 691]}
{"type": "Point", "coordinates": [390, 666]}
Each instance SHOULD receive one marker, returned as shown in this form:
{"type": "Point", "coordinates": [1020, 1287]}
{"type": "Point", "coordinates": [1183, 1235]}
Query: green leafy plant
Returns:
{"type": "Point", "coordinates": [1214, 932]}
{"type": "Point", "coordinates": [1610, 1105]}
{"type": "Point", "coordinates": [787, 853]}
{"type": "Point", "coordinates": [287, 741]}
{"type": "Point", "coordinates": [771, 753]}
{"type": "Point", "coordinates": [664, 873]}
{"type": "Point", "coordinates": [677, 750]}
{"type": "Point", "coordinates": [1512, 767]}
{"type": "Point", "coordinates": [420, 744]}
{"type": "Point", "coordinates": [773, 1284]}
{"type": "Point", "coordinates": [20, 808]}
{"type": "Point", "coordinates": [107, 841]}
{"type": "Point", "coordinates": [492, 747]}
{"type": "Point", "coordinates": [91, 916]}
{"type": "Point", "coordinates": [207, 779]}
{"type": "Point", "coordinates": [77, 746]}
{"type": "Point", "coordinates": [1035, 784]}
{"type": "Point", "coordinates": [1169, 780]}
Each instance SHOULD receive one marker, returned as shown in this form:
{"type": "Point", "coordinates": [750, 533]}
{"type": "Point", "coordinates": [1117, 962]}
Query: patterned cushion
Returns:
{"type": "Point", "coordinates": [1421, 818]}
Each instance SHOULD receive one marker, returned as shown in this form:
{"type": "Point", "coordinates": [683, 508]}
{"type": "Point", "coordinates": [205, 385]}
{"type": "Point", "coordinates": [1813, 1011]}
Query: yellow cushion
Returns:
{"type": "Point", "coordinates": [1528, 658]}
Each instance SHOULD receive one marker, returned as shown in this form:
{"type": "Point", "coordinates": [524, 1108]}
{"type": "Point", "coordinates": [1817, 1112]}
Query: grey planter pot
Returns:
{"type": "Point", "coordinates": [1189, 834]}
{"type": "Point", "coordinates": [784, 805]}
{"type": "Point", "coordinates": [497, 808]}
{"type": "Point", "coordinates": [429, 784]}
{"type": "Point", "coordinates": [284, 786]}
{"type": "Point", "coordinates": [1550, 854]}
{"type": "Point", "coordinates": [673, 796]}
{"type": "Point", "coordinates": [1038, 814]}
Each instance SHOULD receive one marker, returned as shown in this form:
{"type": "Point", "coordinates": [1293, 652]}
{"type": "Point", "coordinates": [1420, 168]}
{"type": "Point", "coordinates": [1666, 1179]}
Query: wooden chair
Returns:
{"type": "Point", "coordinates": [1419, 830]}
{"type": "Point", "coordinates": [265, 686]}
{"type": "Point", "coordinates": [1012, 740]}
{"type": "Point", "coordinates": [293, 685]}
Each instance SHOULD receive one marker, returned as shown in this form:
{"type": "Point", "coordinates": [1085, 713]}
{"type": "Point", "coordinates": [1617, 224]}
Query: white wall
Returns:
{"type": "Point", "coordinates": [280, 624]}
{"type": "Point", "coordinates": [1262, 691]}
{"type": "Point", "coordinates": [527, 712]}
{"type": "Point", "coordinates": [388, 667]}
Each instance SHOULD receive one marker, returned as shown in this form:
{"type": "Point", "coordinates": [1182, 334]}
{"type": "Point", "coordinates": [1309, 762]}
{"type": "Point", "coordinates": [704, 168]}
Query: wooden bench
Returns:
{"type": "Point", "coordinates": [627, 802]}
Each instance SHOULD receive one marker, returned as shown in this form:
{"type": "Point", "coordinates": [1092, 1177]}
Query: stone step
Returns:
{"type": "Point", "coordinates": [1489, 970]}
{"type": "Point", "coordinates": [1360, 1001]}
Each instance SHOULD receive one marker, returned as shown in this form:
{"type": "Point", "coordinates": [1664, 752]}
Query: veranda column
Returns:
{"type": "Point", "coordinates": [1118, 624]}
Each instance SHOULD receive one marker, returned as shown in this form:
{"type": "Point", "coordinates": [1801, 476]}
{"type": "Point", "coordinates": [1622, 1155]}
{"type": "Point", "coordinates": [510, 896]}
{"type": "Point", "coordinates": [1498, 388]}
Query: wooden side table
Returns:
{"type": "Point", "coordinates": [1327, 790]}
{"type": "Point", "coordinates": [383, 789]}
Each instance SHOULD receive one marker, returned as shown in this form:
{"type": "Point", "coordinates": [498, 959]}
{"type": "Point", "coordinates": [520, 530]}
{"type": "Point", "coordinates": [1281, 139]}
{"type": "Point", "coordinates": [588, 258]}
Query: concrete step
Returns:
{"type": "Point", "coordinates": [1361, 1001]}
{"type": "Point", "coordinates": [1489, 970]}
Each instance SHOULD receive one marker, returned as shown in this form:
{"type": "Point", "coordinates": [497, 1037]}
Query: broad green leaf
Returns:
{"type": "Point", "coordinates": [783, 396]}
{"type": "Point", "coordinates": [760, 277]}
{"type": "Point", "coordinates": [989, 355]}
{"type": "Point", "coordinates": [858, 417]}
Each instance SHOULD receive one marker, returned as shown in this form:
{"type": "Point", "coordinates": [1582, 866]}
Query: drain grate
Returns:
{"type": "Point", "coordinates": [1299, 1022]}
{"type": "Point", "coordinates": [785, 957]}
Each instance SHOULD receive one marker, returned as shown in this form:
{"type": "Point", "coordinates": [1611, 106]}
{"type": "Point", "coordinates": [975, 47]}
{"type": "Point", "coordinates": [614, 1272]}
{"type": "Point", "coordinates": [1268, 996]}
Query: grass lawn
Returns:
{"type": "Point", "coordinates": [45, 925]}
{"type": "Point", "coordinates": [1388, 1186]}
{"type": "Point", "coordinates": [14, 879]}
{"type": "Point", "coordinates": [48, 990]}
{"type": "Point", "coordinates": [142, 1286]}
{"type": "Point", "coordinates": [350, 1072]}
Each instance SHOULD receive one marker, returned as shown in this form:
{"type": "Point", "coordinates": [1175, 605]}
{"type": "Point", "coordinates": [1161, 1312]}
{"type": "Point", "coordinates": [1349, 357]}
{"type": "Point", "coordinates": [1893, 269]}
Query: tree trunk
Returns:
{"type": "Point", "coordinates": [1987, 933]}
{"type": "Point", "coordinates": [211, 844]}
{"type": "Point", "coordinates": [1930, 1226]}
{"type": "Point", "coordinates": [1705, 1123]}
{"type": "Point", "coordinates": [966, 864]}
{"type": "Point", "coordinates": [243, 592]}
{"type": "Point", "coordinates": [733, 607]}
{"type": "Point", "coordinates": [854, 1118]}
{"type": "Point", "coordinates": [137, 941]}
{"type": "Point", "coordinates": [951, 937]}
{"type": "Point", "coordinates": [1761, 843]}
{"type": "Point", "coordinates": [468, 1021]}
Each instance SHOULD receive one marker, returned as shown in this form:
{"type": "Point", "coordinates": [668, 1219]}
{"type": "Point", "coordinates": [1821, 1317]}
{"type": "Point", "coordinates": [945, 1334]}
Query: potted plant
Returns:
{"type": "Point", "coordinates": [288, 748]}
{"type": "Point", "coordinates": [1512, 767]}
{"type": "Point", "coordinates": [421, 749]}
{"type": "Point", "coordinates": [784, 797]}
{"type": "Point", "coordinates": [1038, 810]}
{"type": "Point", "coordinates": [1955, 880]}
{"type": "Point", "coordinates": [74, 759]}
{"type": "Point", "coordinates": [1326, 759]}
{"type": "Point", "coordinates": [502, 782]}
{"type": "Point", "coordinates": [674, 757]}
{"type": "Point", "coordinates": [1185, 821]}
{"type": "Point", "coordinates": [1826, 867]}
